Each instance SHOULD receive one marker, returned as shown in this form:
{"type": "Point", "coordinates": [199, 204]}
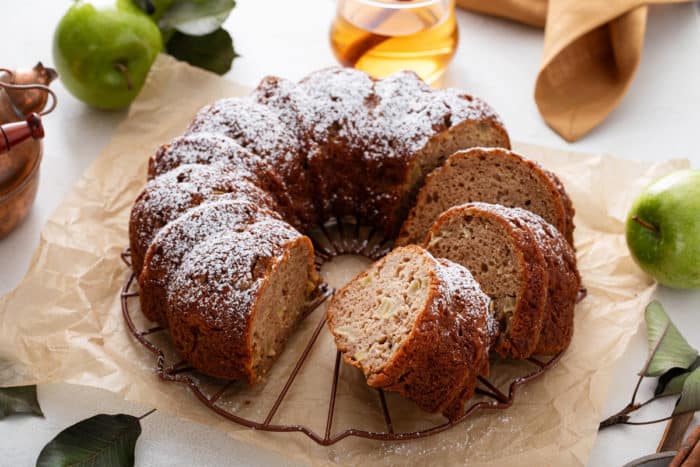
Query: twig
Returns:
{"type": "Point", "coordinates": [147, 414]}
{"type": "Point", "coordinates": [622, 417]}
{"type": "Point", "coordinates": [646, 225]}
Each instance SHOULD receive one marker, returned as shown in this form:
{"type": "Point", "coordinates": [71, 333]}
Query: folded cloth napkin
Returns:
{"type": "Point", "coordinates": [591, 52]}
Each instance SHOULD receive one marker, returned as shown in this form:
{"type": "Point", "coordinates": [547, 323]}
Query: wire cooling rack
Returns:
{"type": "Point", "coordinates": [338, 237]}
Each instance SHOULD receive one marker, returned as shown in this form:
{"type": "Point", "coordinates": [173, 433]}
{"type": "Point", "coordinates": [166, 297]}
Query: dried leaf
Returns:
{"type": "Point", "coordinates": [667, 347]}
{"type": "Point", "coordinates": [19, 400]}
{"type": "Point", "coordinates": [690, 396]}
{"type": "Point", "coordinates": [102, 440]}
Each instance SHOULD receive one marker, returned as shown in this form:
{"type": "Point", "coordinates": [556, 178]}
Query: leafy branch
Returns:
{"type": "Point", "coordinates": [192, 31]}
{"type": "Point", "coordinates": [673, 361]}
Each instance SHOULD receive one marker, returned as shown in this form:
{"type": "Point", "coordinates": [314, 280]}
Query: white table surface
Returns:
{"type": "Point", "coordinates": [497, 60]}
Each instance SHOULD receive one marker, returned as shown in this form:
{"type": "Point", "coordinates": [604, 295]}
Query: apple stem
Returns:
{"type": "Point", "coordinates": [125, 71]}
{"type": "Point", "coordinates": [650, 227]}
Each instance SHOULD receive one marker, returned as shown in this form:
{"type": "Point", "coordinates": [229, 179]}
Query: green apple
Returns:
{"type": "Point", "coordinates": [103, 54]}
{"type": "Point", "coordinates": [663, 230]}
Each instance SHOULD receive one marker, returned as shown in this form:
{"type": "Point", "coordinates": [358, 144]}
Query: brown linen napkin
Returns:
{"type": "Point", "coordinates": [591, 52]}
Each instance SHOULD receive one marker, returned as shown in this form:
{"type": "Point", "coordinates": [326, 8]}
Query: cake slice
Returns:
{"type": "Point", "coordinates": [175, 240]}
{"type": "Point", "coordinates": [495, 176]}
{"type": "Point", "coordinates": [237, 296]}
{"type": "Point", "coordinates": [166, 197]}
{"type": "Point", "coordinates": [563, 284]}
{"type": "Point", "coordinates": [414, 325]}
{"type": "Point", "coordinates": [505, 257]}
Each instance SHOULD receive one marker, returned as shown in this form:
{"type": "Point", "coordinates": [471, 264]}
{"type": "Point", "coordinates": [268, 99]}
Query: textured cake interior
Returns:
{"type": "Point", "coordinates": [280, 304]}
{"type": "Point", "coordinates": [482, 246]}
{"type": "Point", "coordinates": [374, 314]}
{"type": "Point", "coordinates": [490, 178]}
{"type": "Point", "coordinates": [463, 136]}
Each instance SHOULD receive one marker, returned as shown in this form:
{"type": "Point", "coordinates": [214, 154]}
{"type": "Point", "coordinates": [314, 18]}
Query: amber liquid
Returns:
{"type": "Point", "coordinates": [385, 36]}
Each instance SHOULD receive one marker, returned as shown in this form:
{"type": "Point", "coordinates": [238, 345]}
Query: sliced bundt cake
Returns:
{"type": "Point", "coordinates": [495, 176]}
{"type": "Point", "coordinates": [504, 255]}
{"type": "Point", "coordinates": [236, 297]}
{"type": "Point", "coordinates": [166, 197]}
{"type": "Point", "coordinates": [175, 240]}
{"type": "Point", "coordinates": [415, 325]}
{"type": "Point", "coordinates": [337, 143]}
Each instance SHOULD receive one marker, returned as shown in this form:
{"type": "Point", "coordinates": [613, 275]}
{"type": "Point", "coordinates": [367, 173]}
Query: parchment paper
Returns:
{"type": "Point", "coordinates": [63, 322]}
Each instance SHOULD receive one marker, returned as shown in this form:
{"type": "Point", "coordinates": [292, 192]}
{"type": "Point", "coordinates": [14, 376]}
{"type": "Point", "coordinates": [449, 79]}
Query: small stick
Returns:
{"type": "Point", "coordinates": [125, 71]}
{"type": "Point", "coordinates": [650, 227]}
{"type": "Point", "coordinates": [146, 414]}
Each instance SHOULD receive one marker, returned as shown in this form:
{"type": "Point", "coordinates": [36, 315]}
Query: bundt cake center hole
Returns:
{"type": "Point", "coordinates": [339, 270]}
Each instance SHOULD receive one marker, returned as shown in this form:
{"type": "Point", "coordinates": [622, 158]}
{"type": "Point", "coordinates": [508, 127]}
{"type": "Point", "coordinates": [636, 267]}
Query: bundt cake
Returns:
{"type": "Point", "coordinates": [215, 234]}
{"type": "Point", "coordinates": [415, 325]}
{"type": "Point", "coordinates": [491, 175]}
{"type": "Point", "coordinates": [524, 264]}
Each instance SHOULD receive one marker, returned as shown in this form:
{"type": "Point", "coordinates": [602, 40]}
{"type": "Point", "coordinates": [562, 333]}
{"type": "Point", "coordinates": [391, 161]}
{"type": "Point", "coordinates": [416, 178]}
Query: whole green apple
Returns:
{"type": "Point", "coordinates": [663, 230]}
{"type": "Point", "coordinates": [103, 54]}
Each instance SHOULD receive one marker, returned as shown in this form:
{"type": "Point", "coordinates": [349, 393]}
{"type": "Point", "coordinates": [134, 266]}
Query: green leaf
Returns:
{"type": "Point", "coordinates": [213, 52]}
{"type": "Point", "coordinates": [667, 347]}
{"type": "Point", "coordinates": [196, 18]}
{"type": "Point", "coordinates": [671, 382]}
{"type": "Point", "coordinates": [19, 400]}
{"type": "Point", "coordinates": [690, 396]}
{"type": "Point", "coordinates": [102, 440]}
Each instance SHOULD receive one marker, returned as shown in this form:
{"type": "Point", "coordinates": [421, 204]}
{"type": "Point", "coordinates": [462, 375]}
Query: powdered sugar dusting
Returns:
{"type": "Point", "coordinates": [166, 197]}
{"type": "Point", "coordinates": [222, 275]}
{"type": "Point", "coordinates": [175, 240]}
{"type": "Point", "coordinates": [254, 126]}
{"type": "Point", "coordinates": [203, 148]}
{"type": "Point", "coordinates": [460, 291]}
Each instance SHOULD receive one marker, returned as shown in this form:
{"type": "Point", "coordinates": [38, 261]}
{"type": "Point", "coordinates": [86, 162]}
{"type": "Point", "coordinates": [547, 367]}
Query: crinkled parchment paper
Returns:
{"type": "Point", "coordinates": [63, 322]}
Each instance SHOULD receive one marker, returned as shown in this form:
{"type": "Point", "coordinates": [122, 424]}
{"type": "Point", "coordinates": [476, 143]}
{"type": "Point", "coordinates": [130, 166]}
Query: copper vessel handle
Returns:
{"type": "Point", "coordinates": [27, 87]}
{"type": "Point", "coordinates": [11, 134]}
